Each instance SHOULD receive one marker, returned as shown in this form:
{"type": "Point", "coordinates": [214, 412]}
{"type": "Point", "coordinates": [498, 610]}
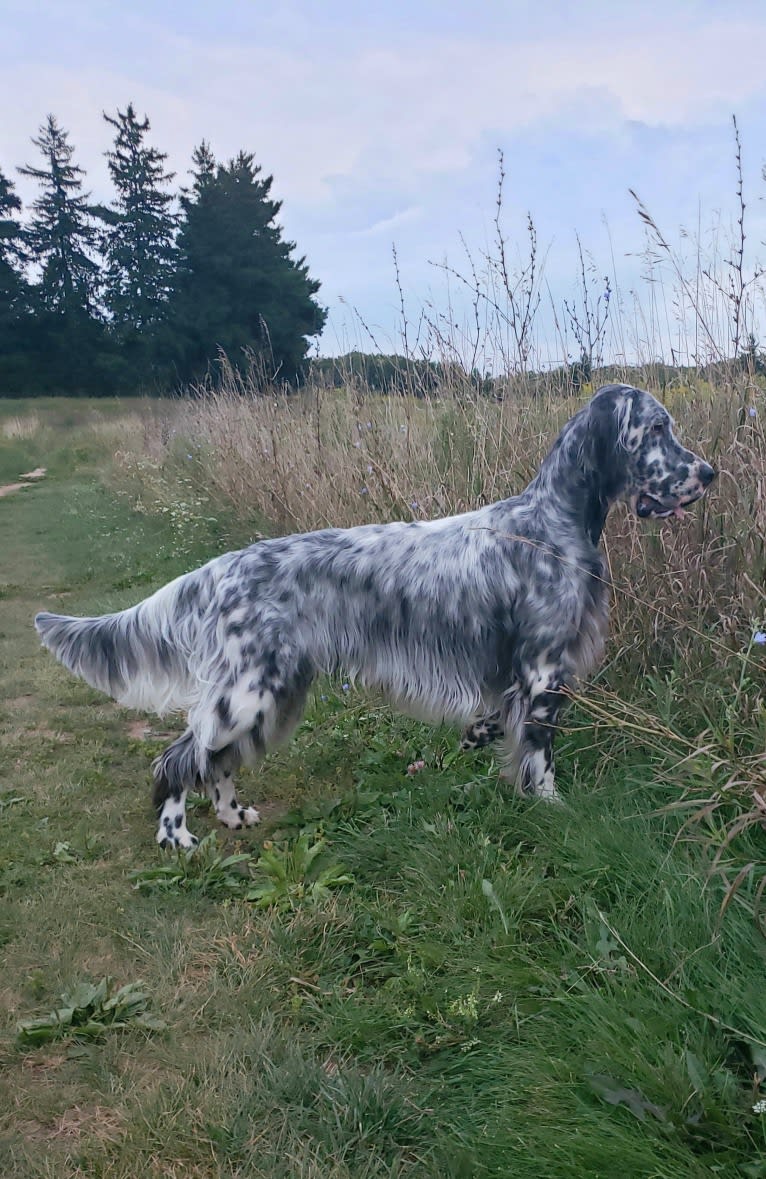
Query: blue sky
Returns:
{"type": "Point", "coordinates": [381, 124]}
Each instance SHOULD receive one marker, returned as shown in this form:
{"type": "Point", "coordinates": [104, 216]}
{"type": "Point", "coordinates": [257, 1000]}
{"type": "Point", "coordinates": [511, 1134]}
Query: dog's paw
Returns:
{"type": "Point", "coordinates": [482, 733]}
{"type": "Point", "coordinates": [243, 816]}
{"type": "Point", "coordinates": [172, 838]}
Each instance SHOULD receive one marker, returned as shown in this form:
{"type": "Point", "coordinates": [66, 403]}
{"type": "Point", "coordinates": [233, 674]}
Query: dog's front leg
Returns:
{"type": "Point", "coordinates": [531, 720]}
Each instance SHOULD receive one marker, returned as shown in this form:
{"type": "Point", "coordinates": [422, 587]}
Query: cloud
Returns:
{"type": "Point", "coordinates": [387, 224]}
{"type": "Point", "coordinates": [395, 112]}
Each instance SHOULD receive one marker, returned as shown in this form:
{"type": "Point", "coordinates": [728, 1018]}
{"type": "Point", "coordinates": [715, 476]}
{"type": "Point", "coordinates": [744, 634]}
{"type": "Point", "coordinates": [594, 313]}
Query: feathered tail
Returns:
{"type": "Point", "coordinates": [143, 656]}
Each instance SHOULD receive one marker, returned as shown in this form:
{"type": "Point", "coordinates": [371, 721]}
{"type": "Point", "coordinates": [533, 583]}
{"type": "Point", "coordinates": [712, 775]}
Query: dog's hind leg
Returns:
{"type": "Point", "coordinates": [186, 765]}
{"type": "Point", "coordinates": [176, 771]}
{"type": "Point", "coordinates": [243, 719]}
{"type": "Point", "coordinates": [220, 789]}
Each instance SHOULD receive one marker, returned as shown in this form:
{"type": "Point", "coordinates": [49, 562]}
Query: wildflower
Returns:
{"type": "Point", "coordinates": [414, 505]}
{"type": "Point", "coordinates": [497, 997]}
{"type": "Point", "coordinates": [190, 456]}
{"type": "Point", "coordinates": [752, 412]}
{"type": "Point", "coordinates": [759, 637]}
{"type": "Point", "coordinates": [466, 1006]}
{"type": "Point", "coordinates": [364, 491]}
{"type": "Point", "coordinates": [369, 469]}
{"type": "Point", "coordinates": [346, 687]}
{"type": "Point", "coordinates": [322, 698]}
{"type": "Point", "coordinates": [759, 1107]}
{"type": "Point", "coordinates": [415, 766]}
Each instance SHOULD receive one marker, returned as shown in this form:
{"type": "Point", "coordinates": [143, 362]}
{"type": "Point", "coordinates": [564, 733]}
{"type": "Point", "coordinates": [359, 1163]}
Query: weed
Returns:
{"type": "Point", "coordinates": [88, 1012]}
{"type": "Point", "coordinates": [296, 872]}
{"type": "Point", "coordinates": [205, 870]}
{"type": "Point", "coordinates": [65, 852]}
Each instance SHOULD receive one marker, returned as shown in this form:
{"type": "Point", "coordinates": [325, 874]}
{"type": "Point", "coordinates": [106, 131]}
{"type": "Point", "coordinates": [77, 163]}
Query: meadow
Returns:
{"type": "Point", "coordinates": [405, 970]}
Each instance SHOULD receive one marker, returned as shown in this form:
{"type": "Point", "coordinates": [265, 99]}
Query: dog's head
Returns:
{"type": "Point", "coordinates": [632, 447]}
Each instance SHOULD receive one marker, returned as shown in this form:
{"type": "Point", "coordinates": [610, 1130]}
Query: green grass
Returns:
{"type": "Point", "coordinates": [485, 987]}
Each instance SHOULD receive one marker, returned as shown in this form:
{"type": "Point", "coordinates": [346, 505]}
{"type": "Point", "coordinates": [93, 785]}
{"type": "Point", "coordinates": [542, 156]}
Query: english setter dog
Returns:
{"type": "Point", "coordinates": [483, 619]}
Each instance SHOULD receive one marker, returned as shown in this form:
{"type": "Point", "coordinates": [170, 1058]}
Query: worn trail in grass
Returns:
{"type": "Point", "coordinates": [502, 989]}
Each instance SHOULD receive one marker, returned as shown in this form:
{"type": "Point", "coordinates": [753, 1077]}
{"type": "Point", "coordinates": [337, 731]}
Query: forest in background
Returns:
{"type": "Point", "coordinates": [144, 293]}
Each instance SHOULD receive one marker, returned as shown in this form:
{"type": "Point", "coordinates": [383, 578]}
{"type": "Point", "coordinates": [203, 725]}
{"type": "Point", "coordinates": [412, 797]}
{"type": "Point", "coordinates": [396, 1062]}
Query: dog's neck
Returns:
{"type": "Point", "coordinates": [578, 491]}
{"type": "Point", "coordinates": [595, 508]}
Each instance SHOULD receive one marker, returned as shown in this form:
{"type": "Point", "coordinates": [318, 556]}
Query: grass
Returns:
{"type": "Point", "coordinates": [479, 987]}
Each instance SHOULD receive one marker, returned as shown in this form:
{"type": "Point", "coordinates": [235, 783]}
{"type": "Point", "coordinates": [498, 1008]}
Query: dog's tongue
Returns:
{"type": "Point", "coordinates": [656, 510]}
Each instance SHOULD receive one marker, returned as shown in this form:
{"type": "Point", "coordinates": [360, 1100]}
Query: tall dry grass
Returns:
{"type": "Point", "coordinates": [334, 459]}
{"type": "Point", "coordinates": [21, 426]}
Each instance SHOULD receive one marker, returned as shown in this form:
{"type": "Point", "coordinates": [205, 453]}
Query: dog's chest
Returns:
{"type": "Point", "coordinates": [586, 648]}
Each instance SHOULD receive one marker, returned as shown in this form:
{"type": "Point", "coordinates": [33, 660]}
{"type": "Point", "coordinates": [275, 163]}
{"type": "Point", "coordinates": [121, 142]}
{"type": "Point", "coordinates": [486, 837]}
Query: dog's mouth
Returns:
{"type": "Point", "coordinates": [647, 507]}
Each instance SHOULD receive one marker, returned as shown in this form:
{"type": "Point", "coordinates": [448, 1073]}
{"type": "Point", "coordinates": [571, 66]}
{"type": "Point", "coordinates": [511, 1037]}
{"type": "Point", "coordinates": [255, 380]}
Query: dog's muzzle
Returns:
{"type": "Point", "coordinates": [648, 507]}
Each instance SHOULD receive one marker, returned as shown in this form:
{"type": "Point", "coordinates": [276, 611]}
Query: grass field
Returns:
{"type": "Point", "coordinates": [401, 973]}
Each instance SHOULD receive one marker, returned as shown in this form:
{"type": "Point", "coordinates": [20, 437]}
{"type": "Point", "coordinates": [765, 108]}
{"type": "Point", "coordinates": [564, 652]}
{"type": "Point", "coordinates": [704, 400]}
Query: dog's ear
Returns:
{"type": "Point", "coordinates": [605, 430]}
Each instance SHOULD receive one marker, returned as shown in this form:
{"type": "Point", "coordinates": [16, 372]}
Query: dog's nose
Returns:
{"type": "Point", "coordinates": [707, 474]}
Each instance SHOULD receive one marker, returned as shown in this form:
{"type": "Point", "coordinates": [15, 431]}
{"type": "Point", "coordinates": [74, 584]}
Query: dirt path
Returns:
{"type": "Point", "coordinates": [29, 477]}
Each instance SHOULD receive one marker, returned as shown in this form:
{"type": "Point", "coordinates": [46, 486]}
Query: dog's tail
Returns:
{"type": "Point", "coordinates": [141, 656]}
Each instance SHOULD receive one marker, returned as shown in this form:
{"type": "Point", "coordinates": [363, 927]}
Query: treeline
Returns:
{"type": "Point", "coordinates": [145, 293]}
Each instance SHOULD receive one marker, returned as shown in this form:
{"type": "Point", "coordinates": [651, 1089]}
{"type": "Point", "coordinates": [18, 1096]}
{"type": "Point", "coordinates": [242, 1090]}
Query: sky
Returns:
{"type": "Point", "coordinates": [381, 125]}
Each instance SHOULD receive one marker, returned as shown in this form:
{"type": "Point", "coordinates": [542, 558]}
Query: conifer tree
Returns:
{"type": "Point", "coordinates": [13, 291]}
{"type": "Point", "coordinates": [204, 166]}
{"type": "Point", "coordinates": [239, 288]}
{"type": "Point", "coordinates": [12, 285]}
{"type": "Point", "coordinates": [138, 240]}
{"type": "Point", "coordinates": [61, 236]}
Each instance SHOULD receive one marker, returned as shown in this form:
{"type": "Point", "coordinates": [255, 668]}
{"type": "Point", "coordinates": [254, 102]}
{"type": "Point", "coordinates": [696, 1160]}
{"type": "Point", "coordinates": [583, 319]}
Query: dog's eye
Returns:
{"type": "Point", "coordinates": [658, 428]}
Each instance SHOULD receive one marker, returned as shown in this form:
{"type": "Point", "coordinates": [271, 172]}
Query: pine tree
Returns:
{"type": "Point", "coordinates": [239, 288]}
{"type": "Point", "coordinates": [204, 166]}
{"type": "Point", "coordinates": [61, 236]}
{"type": "Point", "coordinates": [138, 243]}
{"type": "Point", "coordinates": [12, 285]}
{"type": "Point", "coordinates": [13, 292]}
